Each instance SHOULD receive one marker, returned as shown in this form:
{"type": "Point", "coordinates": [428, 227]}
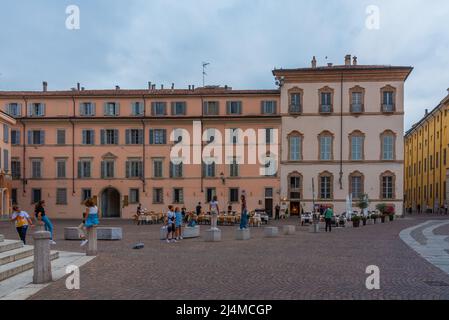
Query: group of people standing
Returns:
{"type": "Point", "coordinates": [175, 218]}
{"type": "Point", "coordinates": [23, 220]}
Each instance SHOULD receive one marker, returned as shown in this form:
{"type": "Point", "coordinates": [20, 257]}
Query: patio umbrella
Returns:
{"type": "Point", "coordinates": [348, 206]}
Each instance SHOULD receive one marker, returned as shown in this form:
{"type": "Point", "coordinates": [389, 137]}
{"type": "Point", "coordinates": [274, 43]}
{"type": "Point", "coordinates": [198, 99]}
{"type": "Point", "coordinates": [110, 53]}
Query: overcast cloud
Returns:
{"type": "Point", "coordinates": [132, 42]}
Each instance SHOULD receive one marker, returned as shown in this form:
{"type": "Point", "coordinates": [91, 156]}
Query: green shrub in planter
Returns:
{"type": "Point", "coordinates": [356, 221]}
{"type": "Point", "coordinates": [374, 217]}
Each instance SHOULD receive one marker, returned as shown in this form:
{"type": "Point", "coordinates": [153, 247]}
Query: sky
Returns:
{"type": "Point", "coordinates": [129, 43]}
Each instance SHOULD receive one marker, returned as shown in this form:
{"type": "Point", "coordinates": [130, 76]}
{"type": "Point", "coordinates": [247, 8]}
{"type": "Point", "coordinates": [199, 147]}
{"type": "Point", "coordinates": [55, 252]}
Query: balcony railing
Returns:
{"type": "Point", "coordinates": [357, 108]}
{"type": "Point", "coordinates": [387, 107]}
{"type": "Point", "coordinates": [295, 108]}
{"type": "Point", "coordinates": [325, 108]}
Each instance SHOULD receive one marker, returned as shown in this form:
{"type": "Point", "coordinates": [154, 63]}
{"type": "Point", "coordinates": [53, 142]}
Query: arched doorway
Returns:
{"type": "Point", "coordinates": [110, 203]}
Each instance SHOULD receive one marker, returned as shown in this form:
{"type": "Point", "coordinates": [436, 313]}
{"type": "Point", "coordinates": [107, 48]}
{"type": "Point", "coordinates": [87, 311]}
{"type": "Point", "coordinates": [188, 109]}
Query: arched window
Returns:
{"type": "Point", "coordinates": [326, 100]}
{"type": "Point", "coordinates": [326, 190]}
{"type": "Point", "coordinates": [388, 99]}
{"type": "Point", "coordinates": [357, 146]}
{"type": "Point", "coordinates": [325, 142]}
{"type": "Point", "coordinates": [295, 96]}
{"type": "Point", "coordinates": [357, 99]}
{"type": "Point", "coordinates": [295, 186]}
{"type": "Point", "coordinates": [388, 145]}
{"type": "Point", "coordinates": [356, 184]}
{"type": "Point", "coordinates": [387, 185]}
{"type": "Point", "coordinates": [295, 140]}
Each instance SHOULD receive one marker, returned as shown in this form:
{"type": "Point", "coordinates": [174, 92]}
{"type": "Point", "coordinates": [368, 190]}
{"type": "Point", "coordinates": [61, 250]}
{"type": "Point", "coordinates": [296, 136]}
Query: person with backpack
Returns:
{"type": "Point", "coordinates": [22, 220]}
{"type": "Point", "coordinates": [328, 215]}
{"type": "Point", "coordinates": [170, 225]}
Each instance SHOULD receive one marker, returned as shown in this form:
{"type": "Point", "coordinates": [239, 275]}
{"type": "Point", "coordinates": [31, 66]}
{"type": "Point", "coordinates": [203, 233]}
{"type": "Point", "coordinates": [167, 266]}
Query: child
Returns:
{"type": "Point", "coordinates": [22, 220]}
{"type": "Point", "coordinates": [179, 219]}
{"type": "Point", "coordinates": [170, 225]}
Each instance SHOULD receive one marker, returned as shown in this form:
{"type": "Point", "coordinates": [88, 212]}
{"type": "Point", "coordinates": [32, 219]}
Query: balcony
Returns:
{"type": "Point", "coordinates": [325, 108]}
{"type": "Point", "coordinates": [295, 109]}
{"type": "Point", "coordinates": [356, 108]}
{"type": "Point", "coordinates": [387, 108]}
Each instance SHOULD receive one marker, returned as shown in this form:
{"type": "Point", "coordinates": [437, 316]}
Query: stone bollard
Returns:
{"type": "Point", "coordinates": [288, 230]}
{"type": "Point", "coordinates": [271, 232]}
{"type": "Point", "coordinates": [92, 243]}
{"type": "Point", "coordinates": [242, 234]}
{"type": "Point", "coordinates": [2, 238]}
{"type": "Point", "coordinates": [42, 264]}
{"type": "Point", "coordinates": [315, 228]}
{"type": "Point", "coordinates": [212, 235]}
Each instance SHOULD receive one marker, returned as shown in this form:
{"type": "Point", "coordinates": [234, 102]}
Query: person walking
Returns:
{"type": "Point", "coordinates": [214, 210]}
{"type": "Point", "coordinates": [244, 214]}
{"type": "Point", "coordinates": [178, 223]}
{"type": "Point", "coordinates": [170, 224]}
{"type": "Point", "coordinates": [328, 214]}
{"type": "Point", "coordinates": [198, 209]}
{"type": "Point", "coordinates": [277, 211]}
{"type": "Point", "coordinates": [22, 220]}
{"type": "Point", "coordinates": [39, 212]}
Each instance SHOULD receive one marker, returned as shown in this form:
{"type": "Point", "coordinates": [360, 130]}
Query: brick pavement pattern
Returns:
{"type": "Point", "coordinates": [300, 266]}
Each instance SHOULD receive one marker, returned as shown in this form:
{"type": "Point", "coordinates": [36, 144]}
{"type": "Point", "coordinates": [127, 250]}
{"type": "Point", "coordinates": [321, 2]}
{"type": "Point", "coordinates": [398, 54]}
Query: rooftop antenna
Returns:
{"type": "Point", "coordinates": [205, 64]}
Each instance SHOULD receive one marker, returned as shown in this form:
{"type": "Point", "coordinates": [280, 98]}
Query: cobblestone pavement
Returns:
{"type": "Point", "coordinates": [300, 266]}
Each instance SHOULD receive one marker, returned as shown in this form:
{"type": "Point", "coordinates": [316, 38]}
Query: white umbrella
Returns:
{"type": "Point", "coordinates": [348, 206]}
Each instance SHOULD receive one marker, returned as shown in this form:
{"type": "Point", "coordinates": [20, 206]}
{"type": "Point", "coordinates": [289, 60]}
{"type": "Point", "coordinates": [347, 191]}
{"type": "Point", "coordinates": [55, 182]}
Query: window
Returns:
{"type": "Point", "coordinates": [326, 181]}
{"type": "Point", "coordinates": [36, 137]}
{"type": "Point", "coordinates": [107, 169]}
{"type": "Point", "coordinates": [36, 168]}
{"type": "Point", "coordinates": [234, 195]}
{"type": "Point", "coordinates": [36, 195]}
{"type": "Point", "coordinates": [295, 146]}
{"type": "Point", "coordinates": [211, 108]}
{"type": "Point", "coordinates": [14, 196]}
{"type": "Point", "coordinates": [158, 108]}
{"type": "Point", "coordinates": [295, 96]}
{"type": "Point", "coordinates": [210, 193]}
{"type": "Point", "coordinates": [111, 109]}
{"type": "Point", "coordinates": [326, 146]}
{"type": "Point", "coordinates": [269, 135]}
{"type": "Point", "coordinates": [388, 96]}
{"type": "Point", "coordinates": [356, 140]}
{"type": "Point", "coordinates": [134, 195]}
{"type": "Point", "coordinates": [89, 137]}
{"type": "Point", "coordinates": [15, 169]}
{"type": "Point", "coordinates": [84, 169]}
{"type": "Point", "coordinates": [87, 109]}
{"type": "Point", "coordinates": [269, 107]}
{"type": "Point", "coordinates": [357, 96]}
{"type": "Point", "coordinates": [209, 170]}
{"type": "Point", "coordinates": [134, 136]}
{"type": "Point", "coordinates": [137, 108]}
{"type": "Point", "coordinates": [6, 160]}
{"type": "Point", "coordinates": [61, 196]}
{"type": "Point", "coordinates": [158, 136]}
{"type": "Point", "coordinates": [60, 168]}
{"type": "Point", "coordinates": [60, 137]}
{"type": "Point", "coordinates": [356, 187]}
{"type": "Point", "coordinates": [268, 193]}
{"type": "Point", "coordinates": [5, 133]}
{"type": "Point", "coordinates": [134, 169]}
{"type": "Point", "coordinates": [178, 195]}
{"type": "Point", "coordinates": [15, 137]}
{"type": "Point", "coordinates": [109, 136]}
{"type": "Point", "coordinates": [158, 165]}
{"type": "Point", "coordinates": [14, 109]}
{"type": "Point", "coordinates": [176, 170]}
{"type": "Point", "coordinates": [388, 145]}
{"type": "Point", "coordinates": [86, 194]}
{"type": "Point", "coordinates": [179, 108]}
{"type": "Point", "coordinates": [234, 170]}
{"type": "Point", "coordinates": [295, 185]}
{"type": "Point", "coordinates": [387, 181]}
{"type": "Point", "coordinates": [36, 110]}
{"type": "Point", "coordinates": [233, 107]}
{"type": "Point", "coordinates": [158, 195]}
{"type": "Point", "coordinates": [326, 99]}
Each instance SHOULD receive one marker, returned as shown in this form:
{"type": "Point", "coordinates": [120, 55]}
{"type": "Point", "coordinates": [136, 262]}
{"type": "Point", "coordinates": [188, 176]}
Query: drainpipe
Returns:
{"type": "Point", "coordinates": [73, 146]}
{"type": "Point", "coordinates": [24, 180]}
{"type": "Point", "coordinates": [340, 180]}
{"type": "Point", "coordinates": [143, 144]}
{"type": "Point", "coordinates": [201, 143]}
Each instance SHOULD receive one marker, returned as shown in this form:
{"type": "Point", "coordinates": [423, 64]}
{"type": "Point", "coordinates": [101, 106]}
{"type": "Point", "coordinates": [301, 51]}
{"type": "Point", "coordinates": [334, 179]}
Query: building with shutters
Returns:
{"type": "Point", "coordinates": [6, 122]}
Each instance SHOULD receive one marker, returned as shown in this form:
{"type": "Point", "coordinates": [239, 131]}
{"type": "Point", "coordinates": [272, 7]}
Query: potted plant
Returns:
{"type": "Point", "coordinates": [364, 220]}
{"type": "Point", "coordinates": [362, 204]}
{"type": "Point", "coordinates": [356, 221]}
{"type": "Point", "coordinates": [389, 210]}
{"type": "Point", "coordinates": [382, 208]}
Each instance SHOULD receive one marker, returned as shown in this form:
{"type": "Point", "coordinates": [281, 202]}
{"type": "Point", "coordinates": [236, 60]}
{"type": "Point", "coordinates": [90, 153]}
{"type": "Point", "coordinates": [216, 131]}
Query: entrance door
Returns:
{"type": "Point", "coordinates": [269, 207]}
{"type": "Point", "coordinates": [295, 208]}
{"type": "Point", "coordinates": [110, 203]}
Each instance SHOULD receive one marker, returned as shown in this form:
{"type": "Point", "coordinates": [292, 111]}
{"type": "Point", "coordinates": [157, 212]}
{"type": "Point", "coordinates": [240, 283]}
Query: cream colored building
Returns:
{"type": "Point", "coordinates": [5, 163]}
{"type": "Point", "coordinates": [342, 133]}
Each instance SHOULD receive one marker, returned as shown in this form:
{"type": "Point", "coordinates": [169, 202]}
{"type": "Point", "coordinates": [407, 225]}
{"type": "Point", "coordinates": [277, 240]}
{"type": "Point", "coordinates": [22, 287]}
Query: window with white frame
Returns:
{"type": "Point", "coordinates": [36, 137]}
{"type": "Point", "coordinates": [269, 107]}
{"type": "Point", "coordinates": [211, 108]}
{"type": "Point", "coordinates": [158, 195]}
{"type": "Point", "coordinates": [61, 168]}
{"type": "Point", "coordinates": [158, 165]}
{"type": "Point", "coordinates": [107, 169]}
{"type": "Point", "coordinates": [159, 108]}
{"type": "Point", "coordinates": [295, 144]}
{"type": "Point", "coordinates": [134, 136]}
{"type": "Point", "coordinates": [179, 108]}
{"type": "Point", "coordinates": [85, 168]}
{"type": "Point", "coordinates": [36, 109]}
{"type": "Point", "coordinates": [134, 168]}
{"type": "Point", "coordinates": [134, 196]}
{"type": "Point", "coordinates": [36, 168]}
{"type": "Point", "coordinates": [178, 195]}
{"type": "Point", "coordinates": [88, 137]}
{"type": "Point", "coordinates": [176, 170]}
{"type": "Point", "coordinates": [14, 109]}
{"type": "Point", "coordinates": [137, 108]}
{"type": "Point", "coordinates": [111, 109]}
{"type": "Point", "coordinates": [325, 147]}
{"type": "Point", "coordinates": [233, 107]}
{"type": "Point", "coordinates": [388, 146]}
{"type": "Point", "coordinates": [87, 109]}
{"type": "Point", "coordinates": [109, 136]}
{"type": "Point", "coordinates": [60, 137]}
{"type": "Point", "coordinates": [209, 170]}
{"type": "Point", "coordinates": [158, 136]}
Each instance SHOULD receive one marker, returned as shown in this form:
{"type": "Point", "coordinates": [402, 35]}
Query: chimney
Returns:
{"type": "Point", "coordinates": [153, 87]}
{"type": "Point", "coordinates": [348, 60]}
{"type": "Point", "coordinates": [193, 87]}
{"type": "Point", "coordinates": [78, 86]}
{"type": "Point", "coordinates": [426, 112]}
{"type": "Point", "coordinates": [330, 64]}
{"type": "Point", "coordinates": [190, 87]}
{"type": "Point", "coordinates": [172, 86]}
{"type": "Point", "coordinates": [314, 62]}
{"type": "Point", "coordinates": [117, 87]}
{"type": "Point", "coordinates": [354, 61]}
{"type": "Point", "coordinates": [44, 86]}
{"type": "Point", "coordinates": [82, 88]}
{"type": "Point", "coordinates": [149, 85]}
{"type": "Point", "coordinates": [162, 87]}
